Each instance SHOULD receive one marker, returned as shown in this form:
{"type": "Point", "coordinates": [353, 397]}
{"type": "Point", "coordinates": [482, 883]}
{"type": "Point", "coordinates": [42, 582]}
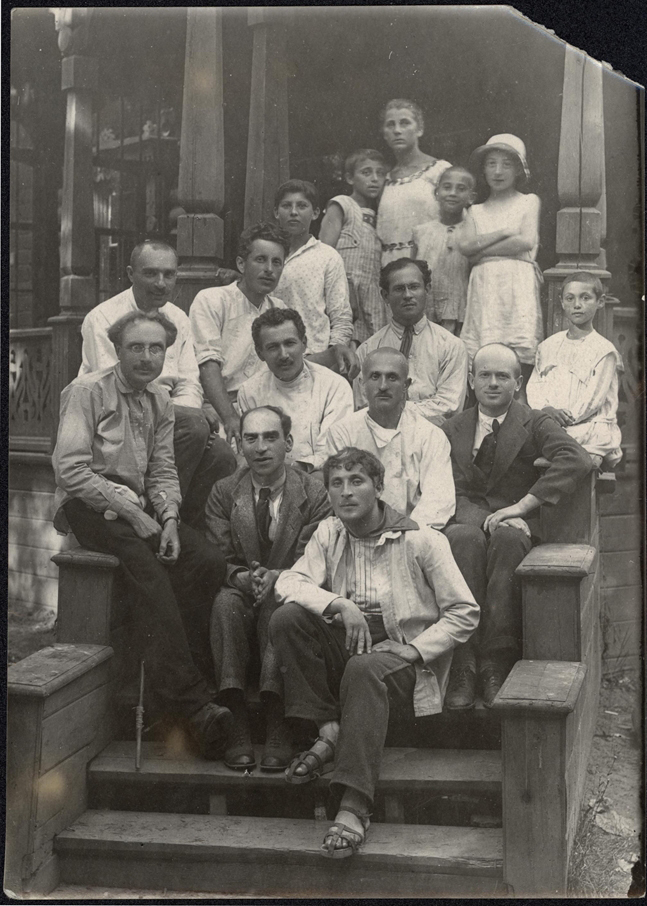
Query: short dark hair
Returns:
{"type": "Point", "coordinates": [353, 456]}
{"type": "Point", "coordinates": [457, 169]}
{"type": "Point", "coordinates": [116, 330]}
{"type": "Point", "coordinates": [585, 277]}
{"type": "Point", "coordinates": [155, 244]}
{"type": "Point", "coordinates": [297, 185]}
{"type": "Point", "coordinates": [356, 157]}
{"type": "Point", "coordinates": [286, 421]}
{"type": "Point", "coordinates": [274, 317]}
{"type": "Point", "coordinates": [263, 230]}
{"type": "Point", "coordinates": [403, 104]}
{"type": "Point", "coordinates": [501, 346]}
{"type": "Point", "coordinates": [397, 265]}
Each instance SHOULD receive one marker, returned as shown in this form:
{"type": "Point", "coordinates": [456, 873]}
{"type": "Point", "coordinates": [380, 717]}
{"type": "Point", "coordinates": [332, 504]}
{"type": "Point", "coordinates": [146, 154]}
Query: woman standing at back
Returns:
{"type": "Point", "coordinates": [408, 198]}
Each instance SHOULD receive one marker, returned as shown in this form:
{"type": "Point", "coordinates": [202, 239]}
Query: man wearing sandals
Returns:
{"type": "Point", "coordinates": [371, 613]}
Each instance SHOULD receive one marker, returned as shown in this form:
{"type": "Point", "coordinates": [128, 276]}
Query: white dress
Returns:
{"type": "Point", "coordinates": [503, 293]}
{"type": "Point", "coordinates": [405, 204]}
{"type": "Point", "coordinates": [582, 377]}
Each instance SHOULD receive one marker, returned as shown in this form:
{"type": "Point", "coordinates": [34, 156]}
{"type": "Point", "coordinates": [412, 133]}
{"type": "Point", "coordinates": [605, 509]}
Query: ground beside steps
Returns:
{"type": "Point", "coordinates": [274, 857]}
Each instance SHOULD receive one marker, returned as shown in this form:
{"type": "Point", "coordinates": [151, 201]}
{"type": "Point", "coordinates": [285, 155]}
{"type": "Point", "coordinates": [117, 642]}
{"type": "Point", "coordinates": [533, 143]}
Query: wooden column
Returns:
{"type": "Point", "coordinates": [201, 187]}
{"type": "Point", "coordinates": [581, 220]}
{"type": "Point", "coordinates": [267, 146]}
{"type": "Point", "coordinates": [77, 250]}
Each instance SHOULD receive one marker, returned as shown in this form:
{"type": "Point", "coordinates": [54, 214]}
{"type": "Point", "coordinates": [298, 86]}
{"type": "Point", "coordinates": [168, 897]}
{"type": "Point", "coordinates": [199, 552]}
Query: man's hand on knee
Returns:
{"type": "Point", "coordinates": [518, 523]}
{"type": "Point", "coordinates": [406, 652]}
{"type": "Point", "coordinates": [169, 549]}
{"type": "Point", "coordinates": [358, 635]}
{"type": "Point", "coordinates": [144, 525]}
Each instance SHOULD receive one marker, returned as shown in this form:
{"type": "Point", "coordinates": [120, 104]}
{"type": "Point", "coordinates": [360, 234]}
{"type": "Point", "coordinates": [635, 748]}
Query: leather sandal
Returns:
{"type": "Point", "coordinates": [312, 772]}
{"type": "Point", "coordinates": [339, 831]}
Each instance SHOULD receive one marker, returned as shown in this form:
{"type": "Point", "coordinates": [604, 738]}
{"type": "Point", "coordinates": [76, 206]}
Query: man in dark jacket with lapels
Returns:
{"type": "Point", "coordinates": [261, 519]}
{"type": "Point", "coordinates": [499, 490]}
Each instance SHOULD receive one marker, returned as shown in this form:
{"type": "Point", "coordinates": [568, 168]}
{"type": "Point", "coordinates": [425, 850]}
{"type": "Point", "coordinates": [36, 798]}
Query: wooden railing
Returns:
{"type": "Point", "coordinates": [30, 390]}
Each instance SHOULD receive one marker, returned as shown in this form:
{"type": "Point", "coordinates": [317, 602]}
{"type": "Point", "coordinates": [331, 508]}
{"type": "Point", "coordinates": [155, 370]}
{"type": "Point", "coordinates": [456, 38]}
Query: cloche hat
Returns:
{"type": "Point", "coordinates": [503, 142]}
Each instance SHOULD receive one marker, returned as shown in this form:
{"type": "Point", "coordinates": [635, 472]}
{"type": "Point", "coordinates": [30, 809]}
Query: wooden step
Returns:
{"type": "Point", "coordinates": [448, 770]}
{"type": "Point", "coordinates": [276, 857]}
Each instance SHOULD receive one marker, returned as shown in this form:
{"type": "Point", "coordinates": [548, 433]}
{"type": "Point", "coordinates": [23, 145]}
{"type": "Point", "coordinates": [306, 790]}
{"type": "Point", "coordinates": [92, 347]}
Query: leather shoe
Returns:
{"type": "Point", "coordinates": [277, 753]}
{"type": "Point", "coordinates": [492, 676]}
{"type": "Point", "coordinates": [210, 727]}
{"type": "Point", "coordinates": [461, 690]}
{"type": "Point", "coordinates": [239, 755]}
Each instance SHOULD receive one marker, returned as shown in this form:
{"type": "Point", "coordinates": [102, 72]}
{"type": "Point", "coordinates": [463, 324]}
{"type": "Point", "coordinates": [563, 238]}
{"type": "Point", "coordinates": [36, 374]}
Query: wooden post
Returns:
{"type": "Point", "coordinates": [201, 187]}
{"type": "Point", "coordinates": [581, 221]}
{"type": "Point", "coordinates": [77, 254]}
{"type": "Point", "coordinates": [543, 767]}
{"type": "Point", "coordinates": [85, 586]}
{"type": "Point", "coordinates": [267, 145]}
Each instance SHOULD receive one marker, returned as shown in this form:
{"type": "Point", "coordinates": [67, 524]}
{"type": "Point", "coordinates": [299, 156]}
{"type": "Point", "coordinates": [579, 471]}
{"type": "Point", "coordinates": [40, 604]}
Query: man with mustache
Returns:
{"type": "Point", "coordinates": [117, 489]}
{"type": "Point", "coordinates": [415, 454]}
{"type": "Point", "coordinates": [261, 519]}
{"type": "Point", "coordinates": [200, 456]}
{"type": "Point", "coordinates": [312, 395]}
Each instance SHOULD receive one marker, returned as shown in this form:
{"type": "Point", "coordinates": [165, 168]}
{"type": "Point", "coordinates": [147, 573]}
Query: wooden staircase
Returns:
{"type": "Point", "coordinates": [474, 804]}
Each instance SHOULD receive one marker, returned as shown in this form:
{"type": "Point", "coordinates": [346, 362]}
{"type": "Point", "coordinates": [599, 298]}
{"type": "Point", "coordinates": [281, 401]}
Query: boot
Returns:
{"type": "Point", "coordinates": [239, 755]}
{"type": "Point", "coordinates": [277, 753]}
{"type": "Point", "coordinates": [461, 690]}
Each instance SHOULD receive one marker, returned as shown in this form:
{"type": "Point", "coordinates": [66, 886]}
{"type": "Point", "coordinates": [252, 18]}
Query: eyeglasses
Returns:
{"type": "Point", "coordinates": [155, 349]}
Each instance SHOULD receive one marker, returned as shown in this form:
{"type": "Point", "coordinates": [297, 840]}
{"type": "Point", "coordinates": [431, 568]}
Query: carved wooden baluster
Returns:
{"type": "Point", "coordinates": [201, 187]}
{"type": "Point", "coordinates": [77, 293]}
{"type": "Point", "coordinates": [581, 220]}
{"type": "Point", "coordinates": [267, 146]}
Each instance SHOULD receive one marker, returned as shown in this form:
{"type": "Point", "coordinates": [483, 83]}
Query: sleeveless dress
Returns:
{"type": "Point", "coordinates": [361, 253]}
{"type": "Point", "coordinates": [503, 293]}
{"type": "Point", "coordinates": [406, 203]}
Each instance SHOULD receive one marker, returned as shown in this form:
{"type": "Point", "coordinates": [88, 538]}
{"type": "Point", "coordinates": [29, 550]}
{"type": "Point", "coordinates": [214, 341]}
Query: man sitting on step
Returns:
{"type": "Point", "coordinates": [498, 492]}
{"type": "Point", "coordinates": [117, 489]}
{"type": "Point", "coordinates": [261, 519]}
{"type": "Point", "coordinates": [201, 457]}
{"type": "Point", "coordinates": [370, 615]}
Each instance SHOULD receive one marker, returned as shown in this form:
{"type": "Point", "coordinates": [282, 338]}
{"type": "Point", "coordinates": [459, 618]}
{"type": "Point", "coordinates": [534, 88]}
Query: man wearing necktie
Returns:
{"type": "Point", "coordinates": [261, 519]}
{"type": "Point", "coordinates": [437, 359]}
{"type": "Point", "coordinates": [498, 492]}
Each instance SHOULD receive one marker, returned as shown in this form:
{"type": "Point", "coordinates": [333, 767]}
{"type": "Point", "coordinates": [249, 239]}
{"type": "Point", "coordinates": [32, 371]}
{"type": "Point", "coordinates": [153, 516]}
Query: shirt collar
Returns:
{"type": "Point", "coordinates": [382, 436]}
{"type": "Point", "coordinates": [303, 375]}
{"type": "Point", "coordinates": [122, 384]}
{"type": "Point", "coordinates": [307, 245]}
{"type": "Point", "coordinates": [275, 488]}
{"type": "Point", "coordinates": [486, 420]}
{"type": "Point", "coordinates": [418, 327]}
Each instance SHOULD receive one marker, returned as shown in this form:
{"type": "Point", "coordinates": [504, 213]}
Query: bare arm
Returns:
{"type": "Point", "coordinates": [331, 224]}
{"type": "Point", "coordinates": [216, 393]}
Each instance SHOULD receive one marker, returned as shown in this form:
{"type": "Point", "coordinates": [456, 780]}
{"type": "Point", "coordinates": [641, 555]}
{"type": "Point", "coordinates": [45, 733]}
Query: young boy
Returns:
{"type": "Point", "coordinates": [349, 226]}
{"type": "Point", "coordinates": [222, 317]}
{"type": "Point", "coordinates": [313, 281]}
{"type": "Point", "coordinates": [576, 374]}
{"type": "Point", "coordinates": [436, 243]}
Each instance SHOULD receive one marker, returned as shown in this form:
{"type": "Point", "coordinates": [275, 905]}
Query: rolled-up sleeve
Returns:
{"type": "Point", "coordinates": [338, 307]}
{"type": "Point", "coordinates": [207, 320]}
{"type": "Point", "coordinates": [187, 390]}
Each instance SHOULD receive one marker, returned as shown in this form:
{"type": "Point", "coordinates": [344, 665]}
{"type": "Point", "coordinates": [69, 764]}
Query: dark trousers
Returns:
{"type": "Point", "coordinates": [237, 628]}
{"type": "Point", "coordinates": [200, 459]}
{"type": "Point", "coordinates": [323, 683]}
{"type": "Point", "coordinates": [488, 564]}
{"type": "Point", "coordinates": [172, 603]}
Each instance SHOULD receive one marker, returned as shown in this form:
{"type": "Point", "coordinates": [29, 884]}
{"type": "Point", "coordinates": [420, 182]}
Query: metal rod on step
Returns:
{"type": "Point", "coordinates": [139, 718]}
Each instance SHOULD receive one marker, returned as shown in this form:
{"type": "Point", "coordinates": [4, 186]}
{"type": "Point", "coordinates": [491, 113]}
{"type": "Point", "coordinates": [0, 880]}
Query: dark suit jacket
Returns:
{"type": "Point", "coordinates": [525, 435]}
{"type": "Point", "coordinates": [231, 519]}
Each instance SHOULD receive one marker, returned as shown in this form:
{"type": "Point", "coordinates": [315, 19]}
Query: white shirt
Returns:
{"type": "Point", "coordinates": [437, 367]}
{"type": "Point", "coordinates": [221, 319]}
{"type": "Point", "coordinates": [315, 400]}
{"type": "Point", "coordinates": [483, 428]}
{"type": "Point", "coordinates": [368, 578]}
{"type": "Point", "coordinates": [276, 496]}
{"type": "Point", "coordinates": [418, 479]}
{"type": "Point", "coordinates": [314, 283]}
{"type": "Point", "coordinates": [180, 376]}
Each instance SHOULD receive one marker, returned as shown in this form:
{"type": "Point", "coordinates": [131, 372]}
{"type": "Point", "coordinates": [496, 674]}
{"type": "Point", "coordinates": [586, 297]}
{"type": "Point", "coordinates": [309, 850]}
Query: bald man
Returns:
{"type": "Point", "coordinates": [415, 454]}
{"type": "Point", "coordinates": [498, 494]}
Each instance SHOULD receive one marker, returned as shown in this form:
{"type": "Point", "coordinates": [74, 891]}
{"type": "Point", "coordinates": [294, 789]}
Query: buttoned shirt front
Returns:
{"type": "Point", "coordinates": [314, 283]}
{"type": "Point", "coordinates": [221, 319]}
{"type": "Point", "coordinates": [437, 367]}
{"type": "Point", "coordinates": [483, 428]}
{"type": "Point", "coordinates": [180, 376]}
{"type": "Point", "coordinates": [276, 496]}
{"type": "Point", "coordinates": [418, 478]}
{"type": "Point", "coordinates": [108, 430]}
{"type": "Point", "coordinates": [315, 400]}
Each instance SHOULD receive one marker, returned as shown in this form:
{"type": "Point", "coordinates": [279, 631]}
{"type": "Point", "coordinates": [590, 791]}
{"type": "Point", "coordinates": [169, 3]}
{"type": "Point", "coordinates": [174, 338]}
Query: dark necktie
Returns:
{"type": "Point", "coordinates": [263, 516]}
{"type": "Point", "coordinates": [407, 339]}
{"type": "Point", "coordinates": [485, 454]}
